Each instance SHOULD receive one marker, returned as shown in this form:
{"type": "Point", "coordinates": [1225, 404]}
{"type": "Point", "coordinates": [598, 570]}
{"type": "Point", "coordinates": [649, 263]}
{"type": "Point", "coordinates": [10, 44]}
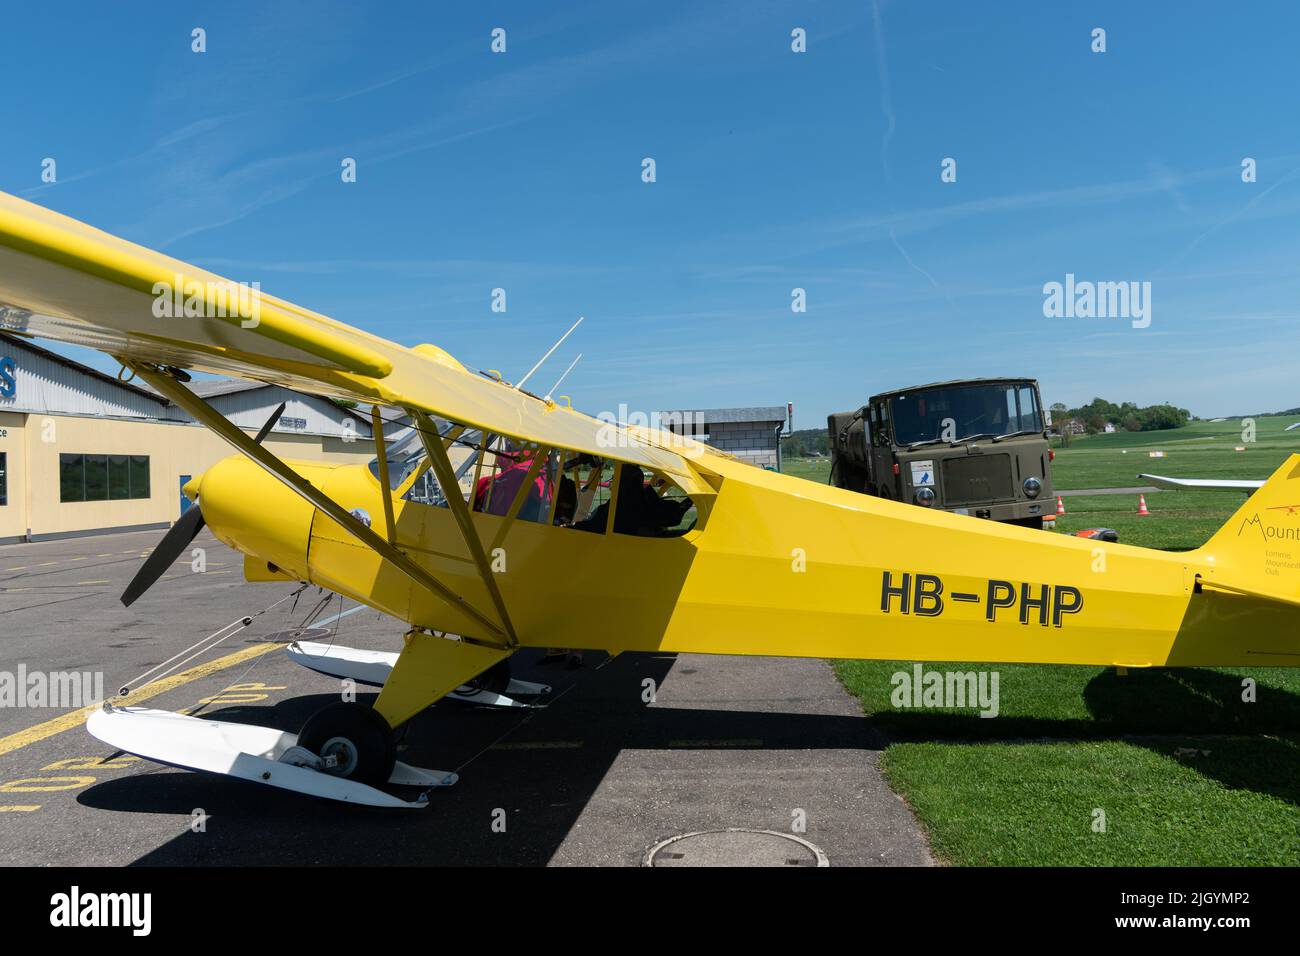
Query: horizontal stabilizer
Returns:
{"type": "Point", "coordinates": [1243, 484]}
{"type": "Point", "coordinates": [1229, 588]}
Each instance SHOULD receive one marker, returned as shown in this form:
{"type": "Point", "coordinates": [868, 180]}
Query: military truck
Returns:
{"type": "Point", "coordinates": [975, 447]}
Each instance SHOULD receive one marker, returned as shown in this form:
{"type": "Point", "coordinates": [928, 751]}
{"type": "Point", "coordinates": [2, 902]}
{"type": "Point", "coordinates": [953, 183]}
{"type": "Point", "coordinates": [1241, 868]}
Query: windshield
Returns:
{"type": "Point", "coordinates": [406, 455]}
{"type": "Point", "coordinates": [955, 412]}
{"type": "Point", "coordinates": [409, 466]}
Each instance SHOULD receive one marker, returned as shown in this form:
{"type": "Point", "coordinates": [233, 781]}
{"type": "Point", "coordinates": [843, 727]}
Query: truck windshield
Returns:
{"type": "Point", "coordinates": [956, 412]}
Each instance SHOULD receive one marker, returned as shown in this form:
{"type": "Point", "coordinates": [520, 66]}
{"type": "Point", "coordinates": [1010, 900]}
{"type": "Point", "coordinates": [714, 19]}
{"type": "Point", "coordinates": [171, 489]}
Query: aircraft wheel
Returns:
{"type": "Point", "coordinates": [357, 737]}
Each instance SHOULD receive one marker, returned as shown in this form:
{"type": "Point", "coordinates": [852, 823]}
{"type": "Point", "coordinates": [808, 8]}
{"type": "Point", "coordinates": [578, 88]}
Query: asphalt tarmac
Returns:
{"type": "Point", "coordinates": [597, 777]}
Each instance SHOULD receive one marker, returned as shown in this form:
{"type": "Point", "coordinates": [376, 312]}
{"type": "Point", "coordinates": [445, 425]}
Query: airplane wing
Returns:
{"type": "Point", "coordinates": [64, 280]}
{"type": "Point", "coordinates": [1229, 483]}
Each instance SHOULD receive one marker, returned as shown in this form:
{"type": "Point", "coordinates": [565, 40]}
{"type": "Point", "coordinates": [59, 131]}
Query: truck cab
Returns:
{"type": "Point", "coordinates": [976, 447]}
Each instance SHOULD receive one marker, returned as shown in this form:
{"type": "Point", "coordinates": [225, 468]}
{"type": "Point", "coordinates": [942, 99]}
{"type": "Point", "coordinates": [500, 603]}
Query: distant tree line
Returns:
{"type": "Point", "coordinates": [805, 443]}
{"type": "Point", "coordinates": [1098, 413]}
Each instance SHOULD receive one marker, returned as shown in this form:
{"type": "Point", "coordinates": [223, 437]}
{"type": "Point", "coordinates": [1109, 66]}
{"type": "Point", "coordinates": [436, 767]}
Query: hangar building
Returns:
{"type": "Point", "coordinates": [82, 452]}
{"type": "Point", "coordinates": [751, 434]}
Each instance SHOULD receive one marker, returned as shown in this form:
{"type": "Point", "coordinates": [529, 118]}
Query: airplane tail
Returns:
{"type": "Point", "coordinates": [1257, 551]}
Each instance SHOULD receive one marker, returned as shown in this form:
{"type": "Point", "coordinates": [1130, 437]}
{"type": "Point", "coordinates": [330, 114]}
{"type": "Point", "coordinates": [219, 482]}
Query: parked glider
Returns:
{"type": "Point", "coordinates": [612, 538]}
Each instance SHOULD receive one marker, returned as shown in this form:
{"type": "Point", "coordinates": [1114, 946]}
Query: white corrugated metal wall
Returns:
{"type": "Point", "coordinates": [45, 386]}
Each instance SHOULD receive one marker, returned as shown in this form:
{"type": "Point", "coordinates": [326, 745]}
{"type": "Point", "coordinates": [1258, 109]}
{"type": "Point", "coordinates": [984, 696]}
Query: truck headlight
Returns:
{"type": "Point", "coordinates": [1033, 487]}
{"type": "Point", "coordinates": [924, 497]}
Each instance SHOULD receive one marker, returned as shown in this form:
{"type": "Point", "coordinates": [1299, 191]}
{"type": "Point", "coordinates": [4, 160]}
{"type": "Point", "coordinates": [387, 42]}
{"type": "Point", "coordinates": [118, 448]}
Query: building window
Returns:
{"type": "Point", "coordinates": [103, 477]}
{"type": "Point", "coordinates": [72, 478]}
{"type": "Point", "coordinates": [139, 470]}
{"type": "Point", "coordinates": [4, 479]}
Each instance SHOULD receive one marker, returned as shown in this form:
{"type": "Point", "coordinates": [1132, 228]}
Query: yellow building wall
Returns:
{"type": "Point", "coordinates": [35, 442]}
{"type": "Point", "coordinates": [13, 516]}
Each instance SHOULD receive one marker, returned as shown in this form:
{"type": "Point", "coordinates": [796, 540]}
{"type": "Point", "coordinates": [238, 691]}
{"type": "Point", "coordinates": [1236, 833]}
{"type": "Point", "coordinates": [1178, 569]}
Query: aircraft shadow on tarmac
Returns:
{"type": "Point", "coordinates": [537, 775]}
{"type": "Point", "coordinates": [1195, 717]}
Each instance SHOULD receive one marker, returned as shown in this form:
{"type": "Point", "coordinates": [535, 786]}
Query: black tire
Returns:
{"type": "Point", "coordinates": [495, 680]}
{"type": "Point", "coordinates": [368, 732]}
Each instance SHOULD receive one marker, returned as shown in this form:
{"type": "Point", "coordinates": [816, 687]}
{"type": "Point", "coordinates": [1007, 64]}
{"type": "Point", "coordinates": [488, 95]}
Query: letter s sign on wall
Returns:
{"type": "Point", "coordinates": [8, 387]}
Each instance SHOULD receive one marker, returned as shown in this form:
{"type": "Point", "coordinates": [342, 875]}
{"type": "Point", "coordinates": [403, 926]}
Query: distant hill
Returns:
{"type": "Point", "coordinates": [1290, 413]}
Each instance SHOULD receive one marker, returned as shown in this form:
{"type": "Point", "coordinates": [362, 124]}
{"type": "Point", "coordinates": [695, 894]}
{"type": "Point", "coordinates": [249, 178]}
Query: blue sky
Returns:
{"type": "Point", "coordinates": [775, 170]}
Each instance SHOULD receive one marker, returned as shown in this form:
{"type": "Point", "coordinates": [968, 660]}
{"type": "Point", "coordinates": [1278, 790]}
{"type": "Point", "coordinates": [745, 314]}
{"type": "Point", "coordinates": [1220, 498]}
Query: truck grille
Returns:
{"type": "Point", "coordinates": [977, 478]}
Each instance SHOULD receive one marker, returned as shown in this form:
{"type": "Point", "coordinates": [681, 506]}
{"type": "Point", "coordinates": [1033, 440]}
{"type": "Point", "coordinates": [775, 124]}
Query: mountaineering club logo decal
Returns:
{"type": "Point", "coordinates": [1271, 532]}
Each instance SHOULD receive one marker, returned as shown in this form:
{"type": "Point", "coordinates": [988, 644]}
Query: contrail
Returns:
{"type": "Point", "coordinates": [903, 251]}
{"type": "Point", "coordinates": [887, 108]}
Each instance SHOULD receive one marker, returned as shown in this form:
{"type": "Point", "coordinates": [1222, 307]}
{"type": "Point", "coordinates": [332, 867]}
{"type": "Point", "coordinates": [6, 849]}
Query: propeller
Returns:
{"type": "Point", "coordinates": [178, 538]}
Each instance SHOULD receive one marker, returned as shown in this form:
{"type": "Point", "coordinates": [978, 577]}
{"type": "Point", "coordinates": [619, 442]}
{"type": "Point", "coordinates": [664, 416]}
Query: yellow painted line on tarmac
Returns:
{"type": "Point", "coordinates": [46, 564]}
{"type": "Point", "coordinates": [21, 567]}
{"type": "Point", "coordinates": [106, 554]}
{"type": "Point", "coordinates": [76, 718]}
{"type": "Point", "coordinates": [20, 808]}
{"type": "Point", "coordinates": [82, 583]}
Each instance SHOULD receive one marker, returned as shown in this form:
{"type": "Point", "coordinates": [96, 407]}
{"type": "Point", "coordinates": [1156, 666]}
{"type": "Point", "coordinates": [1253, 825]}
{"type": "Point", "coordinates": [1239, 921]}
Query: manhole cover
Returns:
{"type": "Point", "coordinates": [735, 847]}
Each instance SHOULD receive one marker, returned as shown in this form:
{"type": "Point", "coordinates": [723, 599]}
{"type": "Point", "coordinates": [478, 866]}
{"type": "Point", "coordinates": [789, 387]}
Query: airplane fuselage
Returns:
{"type": "Point", "coordinates": [779, 566]}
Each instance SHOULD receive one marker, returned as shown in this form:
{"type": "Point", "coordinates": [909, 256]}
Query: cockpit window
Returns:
{"type": "Point", "coordinates": [562, 488]}
{"type": "Point", "coordinates": [517, 469]}
{"type": "Point", "coordinates": [647, 505]}
{"type": "Point", "coordinates": [488, 475]}
{"type": "Point", "coordinates": [650, 506]}
{"type": "Point", "coordinates": [591, 486]}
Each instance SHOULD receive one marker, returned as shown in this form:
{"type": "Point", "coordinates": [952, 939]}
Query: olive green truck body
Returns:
{"type": "Point", "coordinates": [977, 447]}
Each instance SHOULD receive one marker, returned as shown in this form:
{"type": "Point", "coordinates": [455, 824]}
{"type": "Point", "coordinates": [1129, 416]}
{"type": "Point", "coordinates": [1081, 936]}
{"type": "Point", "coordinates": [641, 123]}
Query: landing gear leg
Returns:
{"type": "Point", "coordinates": [430, 667]}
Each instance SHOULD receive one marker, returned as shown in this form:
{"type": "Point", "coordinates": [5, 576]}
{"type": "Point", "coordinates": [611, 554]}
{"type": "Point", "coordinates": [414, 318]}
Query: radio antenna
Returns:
{"type": "Point", "coordinates": [563, 377]}
{"type": "Point", "coordinates": [520, 383]}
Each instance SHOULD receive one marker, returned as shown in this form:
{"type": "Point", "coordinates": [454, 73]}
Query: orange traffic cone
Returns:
{"type": "Point", "coordinates": [1142, 507]}
{"type": "Point", "coordinates": [1060, 505]}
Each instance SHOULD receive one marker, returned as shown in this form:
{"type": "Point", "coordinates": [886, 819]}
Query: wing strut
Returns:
{"type": "Point", "coordinates": [206, 415]}
{"type": "Point", "coordinates": [381, 456]}
{"type": "Point", "coordinates": [446, 475]}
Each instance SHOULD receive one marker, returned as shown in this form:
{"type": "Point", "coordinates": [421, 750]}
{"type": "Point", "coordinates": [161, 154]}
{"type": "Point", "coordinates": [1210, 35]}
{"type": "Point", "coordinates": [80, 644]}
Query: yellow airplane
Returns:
{"type": "Point", "coordinates": [571, 531]}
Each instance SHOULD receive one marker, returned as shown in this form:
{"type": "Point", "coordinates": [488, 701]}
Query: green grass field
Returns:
{"type": "Point", "coordinates": [1185, 772]}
